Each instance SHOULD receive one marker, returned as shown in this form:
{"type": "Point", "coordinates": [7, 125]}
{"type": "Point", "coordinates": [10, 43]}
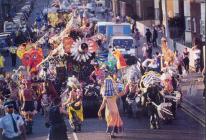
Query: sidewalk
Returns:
{"type": "Point", "coordinates": [193, 103]}
{"type": "Point", "coordinates": [139, 49]}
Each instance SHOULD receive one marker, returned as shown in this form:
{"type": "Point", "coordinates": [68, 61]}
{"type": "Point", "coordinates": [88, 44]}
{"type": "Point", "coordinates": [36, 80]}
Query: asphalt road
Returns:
{"type": "Point", "coordinates": [183, 128]}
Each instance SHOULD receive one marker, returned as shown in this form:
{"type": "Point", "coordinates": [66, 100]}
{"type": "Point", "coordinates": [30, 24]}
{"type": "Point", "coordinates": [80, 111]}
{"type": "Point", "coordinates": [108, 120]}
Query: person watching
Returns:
{"type": "Point", "coordinates": [11, 125]}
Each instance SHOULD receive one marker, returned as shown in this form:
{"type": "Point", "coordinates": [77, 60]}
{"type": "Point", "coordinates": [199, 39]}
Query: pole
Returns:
{"type": "Point", "coordinates": [204, 72]}
{"type": "Point", "coordinates": [165, 18]}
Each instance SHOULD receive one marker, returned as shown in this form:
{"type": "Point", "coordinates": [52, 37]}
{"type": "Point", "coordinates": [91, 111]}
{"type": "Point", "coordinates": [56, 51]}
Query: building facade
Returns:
{"type": "Point", "coordinates": [192, 10]}
{"type": "Point", "coordinates": [137, 9]}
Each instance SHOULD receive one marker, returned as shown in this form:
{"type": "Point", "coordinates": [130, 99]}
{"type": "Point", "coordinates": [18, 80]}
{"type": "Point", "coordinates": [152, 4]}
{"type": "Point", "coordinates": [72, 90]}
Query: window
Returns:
{"type": "Point", "coordinates": [194, 25]}
{"type": "Point", "coordinates": [102, 29]}
{"type": "Point", "coordinates": [202, 27]}
{"type": "Point", "coordinates": [188, 24]}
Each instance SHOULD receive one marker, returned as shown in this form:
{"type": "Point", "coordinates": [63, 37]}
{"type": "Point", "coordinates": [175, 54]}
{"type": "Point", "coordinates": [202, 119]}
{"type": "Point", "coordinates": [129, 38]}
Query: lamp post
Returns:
{"type": "Point", "coordinates": [165, 18]}
{"type": "Point", "coordinates": [204, 72]}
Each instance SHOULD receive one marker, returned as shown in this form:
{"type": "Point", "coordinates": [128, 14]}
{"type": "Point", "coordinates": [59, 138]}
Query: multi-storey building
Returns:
{"type": "Point", "coordinates": [137, 9]}
{"type": "Point", "coordinates": [184, 19]}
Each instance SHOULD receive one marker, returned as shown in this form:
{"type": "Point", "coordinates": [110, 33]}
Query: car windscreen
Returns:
{"type": "Point", "coordinates": [123, 43]}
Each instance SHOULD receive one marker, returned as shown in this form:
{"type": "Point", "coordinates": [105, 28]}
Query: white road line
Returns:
{"type": "Point", "coordinates": [75, 136]}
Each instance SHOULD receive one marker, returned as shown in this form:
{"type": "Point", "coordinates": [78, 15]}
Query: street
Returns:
{"type": "Point", "coordinates": [182, 128]}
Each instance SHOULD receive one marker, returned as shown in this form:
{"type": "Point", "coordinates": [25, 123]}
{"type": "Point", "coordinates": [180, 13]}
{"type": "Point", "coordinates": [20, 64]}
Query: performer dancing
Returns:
{"type": "Point", "coordinates": [27, 100]}
{"type": "Point", "coordinates": [112, 116]}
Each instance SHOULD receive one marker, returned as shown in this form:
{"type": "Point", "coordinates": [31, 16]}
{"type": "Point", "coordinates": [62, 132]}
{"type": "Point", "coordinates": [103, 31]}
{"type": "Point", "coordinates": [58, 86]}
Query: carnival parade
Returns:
{"type": "Point", "coordinates": [81, 64]}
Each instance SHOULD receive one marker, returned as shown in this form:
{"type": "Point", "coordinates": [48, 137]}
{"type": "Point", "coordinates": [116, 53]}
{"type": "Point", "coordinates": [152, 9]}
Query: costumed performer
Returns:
{"type": "Point", "coordinates": [112, 116]}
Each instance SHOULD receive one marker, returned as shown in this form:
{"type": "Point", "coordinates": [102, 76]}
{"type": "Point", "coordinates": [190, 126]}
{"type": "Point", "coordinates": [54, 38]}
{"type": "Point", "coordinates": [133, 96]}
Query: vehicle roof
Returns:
{"type": "Point", "coordinates": [4, 35]}
{"type": "Point", "coordinates": [122, 37]}
{"type": "Point", "coordinates": [111, 23]}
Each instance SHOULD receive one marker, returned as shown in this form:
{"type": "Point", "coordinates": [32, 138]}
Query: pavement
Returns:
{"type": "Point", "coordinates": [193, 103]}
{"type": "Point", "coordinates": [183, 128]}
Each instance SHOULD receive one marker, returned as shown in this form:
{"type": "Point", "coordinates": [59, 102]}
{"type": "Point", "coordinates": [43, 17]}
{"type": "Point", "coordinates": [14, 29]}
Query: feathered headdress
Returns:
{"type": "Point", "coordinates": [82, 50]}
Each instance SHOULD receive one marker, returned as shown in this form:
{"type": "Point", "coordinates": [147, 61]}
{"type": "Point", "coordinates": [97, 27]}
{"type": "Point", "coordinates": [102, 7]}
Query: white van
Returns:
{"type": "Point", "coordinates": [126, 44]}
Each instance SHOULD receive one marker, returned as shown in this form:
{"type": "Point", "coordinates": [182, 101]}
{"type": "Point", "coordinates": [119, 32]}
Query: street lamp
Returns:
{"type": "Point", "coordinates": [204, 72]}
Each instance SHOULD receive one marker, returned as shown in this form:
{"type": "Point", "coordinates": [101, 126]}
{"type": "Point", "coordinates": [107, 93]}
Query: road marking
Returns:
{"type": "Point", "coordinates": [75, 136]}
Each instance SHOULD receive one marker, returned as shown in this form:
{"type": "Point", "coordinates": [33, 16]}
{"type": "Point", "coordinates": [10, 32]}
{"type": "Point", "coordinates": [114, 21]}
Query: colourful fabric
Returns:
{"type": "Point", "coordinates": [111, 63]}
{"type": "Point", "coordinates": [78, 112]}
{"type": "Point", "coordinates": [99, 75]}
{"type": "Point", "coordinates": [112, 116]}
{"type": "Point", "coordinates": [108, 88]}
{"type": "Point", "coordinates": [121, 63]}
{"type": "Point", "coordinates": [168, 55]}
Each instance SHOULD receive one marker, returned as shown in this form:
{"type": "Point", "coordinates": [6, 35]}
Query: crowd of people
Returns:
{"type": "Point", "coordinates": [24, 93]}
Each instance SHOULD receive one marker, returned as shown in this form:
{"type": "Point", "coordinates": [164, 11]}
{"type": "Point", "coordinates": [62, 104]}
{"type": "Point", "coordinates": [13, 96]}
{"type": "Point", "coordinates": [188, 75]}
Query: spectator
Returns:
{"type": "Point", "coordinates": [148, 35]}
{"type": "Point", "coordinates": [38, 23]}
{"type": "Point", "coordinates": [204, 81]}
{"type": "Point", "coordinates": [38, 20]}
{"type": "Point", "coordinates": [134, 26]}
{"type": "Point", "coordinates": [8, 41]}
{"type": "Point", "coordinates": [149, 51]}
{"type": "Point", "coordinates": [186, 59]}
{"type": "Point", "coordinates": [178, 62]}
{"type": "Point", "coordinates": [158, 61]}
{"type": "Point", "coordinates": [58, 128]}
{"type": "Point", "coordinates": [196, 55]}
{"type": "Point", "coordinates": [137, 36]}
{"type": "Point", "coordinates": [13, 55]}
{"type": "Point", "coordinates": [144, 51]}
{"type": "Point", "coordinates": [154, 37]}
{"type": "Point", "coordinates": [2, 60]}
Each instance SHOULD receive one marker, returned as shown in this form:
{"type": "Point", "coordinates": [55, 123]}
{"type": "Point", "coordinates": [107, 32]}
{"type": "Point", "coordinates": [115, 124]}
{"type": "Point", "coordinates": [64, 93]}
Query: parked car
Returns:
{"type": "Point", "coordinates": [10, 27]}
{"type": "Point", "coordinates": [26, 8]}
{"type": "Point", "coordinates": [22, 16]}
{"type": "Point", "coordinates": [3, 46]}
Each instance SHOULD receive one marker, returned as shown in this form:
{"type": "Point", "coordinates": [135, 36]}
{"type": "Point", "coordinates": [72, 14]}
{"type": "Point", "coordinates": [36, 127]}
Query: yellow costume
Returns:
{"type": "Point", "coordinates": [77, 107]}
{"type": "Point", "coordinates": [79, 113]}
{"type": "Point", "coordinates": [168, 55]}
